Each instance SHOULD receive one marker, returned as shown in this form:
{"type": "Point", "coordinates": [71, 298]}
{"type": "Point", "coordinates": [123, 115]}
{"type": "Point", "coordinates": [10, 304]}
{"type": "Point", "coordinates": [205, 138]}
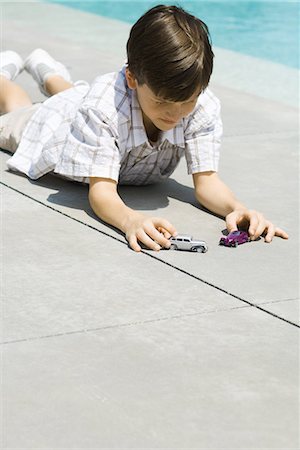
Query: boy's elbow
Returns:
{"type": "Point", "coordinates": [95, 203]}
{"type": "Point", "coordinates": [200, 197]}
{"type": "Point", "coordinates": [92, 199]}
{"type": "Point", "coordinates": [199, 191]}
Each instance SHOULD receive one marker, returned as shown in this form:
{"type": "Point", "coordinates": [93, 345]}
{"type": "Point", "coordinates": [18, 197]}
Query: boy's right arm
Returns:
{"type": "Point", "coordinates": [153, 232]}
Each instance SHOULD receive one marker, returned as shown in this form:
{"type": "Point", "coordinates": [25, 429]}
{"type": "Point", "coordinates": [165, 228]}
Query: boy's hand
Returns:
{"type": "Point", "coordinates": [255, 223]}
{"type": "Point", "coordinates": [153, 232]}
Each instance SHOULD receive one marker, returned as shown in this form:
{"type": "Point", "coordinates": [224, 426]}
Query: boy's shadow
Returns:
{"type": "Point", "coordinates": [156, 196]}
{"type": "Point", "coordinates": [151, 197]}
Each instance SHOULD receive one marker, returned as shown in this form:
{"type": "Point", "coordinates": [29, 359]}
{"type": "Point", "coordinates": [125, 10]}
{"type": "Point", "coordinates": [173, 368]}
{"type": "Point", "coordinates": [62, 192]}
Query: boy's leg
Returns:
{"type": "Point", "coordinates": [16, 108]}
{"type": "Point", "coordinates": [55, 84]}
{"type": "Point", "coordinates": [12, 126]}
{"type": "Point", "coordinates": [12, 96]}
{"type": "Point", "coordinates": [52, 77]}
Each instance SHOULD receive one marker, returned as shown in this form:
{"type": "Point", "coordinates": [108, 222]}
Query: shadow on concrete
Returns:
{"type": "Point", "coordinates": [75, 195]}
{"type": "Point", "coordinates": [157, 196]}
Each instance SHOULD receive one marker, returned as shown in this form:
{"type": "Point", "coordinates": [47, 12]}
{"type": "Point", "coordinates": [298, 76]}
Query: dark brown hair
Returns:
{"type": "Point", "coordinates": [170, 51]}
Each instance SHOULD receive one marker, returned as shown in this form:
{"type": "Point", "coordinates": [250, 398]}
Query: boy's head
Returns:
{"type": "Point", "coordinates": [169, 50]}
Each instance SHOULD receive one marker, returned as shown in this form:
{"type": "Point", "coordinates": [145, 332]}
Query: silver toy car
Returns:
{"type": "Point", "coordinates": [186, 242]}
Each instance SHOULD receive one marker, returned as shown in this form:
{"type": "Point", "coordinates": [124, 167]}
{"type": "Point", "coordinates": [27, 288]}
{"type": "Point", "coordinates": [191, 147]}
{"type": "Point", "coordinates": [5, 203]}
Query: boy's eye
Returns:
{"type": "Point", "coordinates": [160, 102]}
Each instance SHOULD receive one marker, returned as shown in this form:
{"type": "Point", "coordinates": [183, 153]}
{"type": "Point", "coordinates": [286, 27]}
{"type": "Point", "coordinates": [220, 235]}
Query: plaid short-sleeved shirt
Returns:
{"type": "Point", "coordinates": [98, 131]}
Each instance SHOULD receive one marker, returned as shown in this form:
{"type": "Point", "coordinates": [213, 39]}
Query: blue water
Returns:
{"type": "Point", "coordinates": [261, 28]}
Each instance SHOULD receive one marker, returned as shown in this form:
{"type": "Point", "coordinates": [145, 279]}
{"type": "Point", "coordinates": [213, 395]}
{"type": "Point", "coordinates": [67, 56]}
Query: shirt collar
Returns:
{"type": "Point", "coordinates": [175, 136]}
{"type": "Point", "coordinates": [137, 125]}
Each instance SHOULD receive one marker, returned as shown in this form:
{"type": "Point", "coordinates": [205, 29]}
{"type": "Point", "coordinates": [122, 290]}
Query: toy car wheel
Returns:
{"type": "Point", "coordinates": [173, 247]}
{"type": "Point", "coordinates": [236, 244]}
{"type": "Point", "coordinates": [198, 249]}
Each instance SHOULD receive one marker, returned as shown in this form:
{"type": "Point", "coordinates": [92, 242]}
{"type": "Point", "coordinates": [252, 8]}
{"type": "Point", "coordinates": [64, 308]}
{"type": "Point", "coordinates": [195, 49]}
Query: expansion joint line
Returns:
{"type": "Point", "coordinates": [218, 288]}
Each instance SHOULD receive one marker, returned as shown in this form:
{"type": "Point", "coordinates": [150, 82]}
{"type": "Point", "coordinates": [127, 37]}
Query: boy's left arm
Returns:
{"type": "Point", "coordinates": [214, 195]}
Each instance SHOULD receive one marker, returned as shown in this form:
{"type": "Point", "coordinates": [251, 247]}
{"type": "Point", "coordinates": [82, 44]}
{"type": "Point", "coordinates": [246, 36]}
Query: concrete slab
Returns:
{"type": "Point", "coordinates": [219, 381]}
{"type": "Point", "coordinates": [256, 116]}
{"type": "Point", "coordinates": [60, 276]}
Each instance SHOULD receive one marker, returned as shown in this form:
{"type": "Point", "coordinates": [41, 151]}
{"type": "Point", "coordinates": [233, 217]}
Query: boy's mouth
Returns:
{"type": "Point", "coordinates": [169, 122]}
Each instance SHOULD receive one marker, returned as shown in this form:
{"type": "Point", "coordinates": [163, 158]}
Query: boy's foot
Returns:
{"type": "Point", "coordinates": [41, 66]}
{"type": "Point", "coordinates": [11, 64]}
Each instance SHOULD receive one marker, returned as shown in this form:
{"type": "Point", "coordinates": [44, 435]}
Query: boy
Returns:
{"type": "Point", "coordinates": [130, 127]}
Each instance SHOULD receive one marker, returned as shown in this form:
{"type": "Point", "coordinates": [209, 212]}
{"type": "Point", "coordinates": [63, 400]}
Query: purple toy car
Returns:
{"type": "Point", "coordinates": [234, 239]}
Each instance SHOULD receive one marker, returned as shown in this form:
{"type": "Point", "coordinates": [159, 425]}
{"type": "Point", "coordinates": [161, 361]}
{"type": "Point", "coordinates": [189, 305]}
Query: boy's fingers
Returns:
{"type": "Point", "coordinates": [257, 225]}
{"type": "Point", "coordinates": [231, 221]}
{"type": "Point", "coordinates": [270, 232]}
{"type": "Point", "coordinates": [166, 234]}
{"type": "Point", "coordinates": [132, 240]}
{"type": "Point", "coordinates": [159, 222]}
{"type": "Point", "coordinates": [146, 240]}
{"type": "Point", "coordinates": [279, 232]}
{"type": "Point", "coordinates": [262, 226]}
{"type": "Point", "coordinates": [157, 236]}
{"type": "Point", "coordinates": [254, 223]}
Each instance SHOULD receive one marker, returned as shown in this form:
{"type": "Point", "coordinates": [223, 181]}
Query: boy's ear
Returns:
{"type": "Point", "coordinates": [131, 80]}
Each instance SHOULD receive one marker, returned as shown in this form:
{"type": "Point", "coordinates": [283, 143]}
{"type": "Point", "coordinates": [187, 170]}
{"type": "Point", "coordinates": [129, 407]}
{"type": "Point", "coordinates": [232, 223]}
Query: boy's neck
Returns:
{"type": "Point", "coordinates": [151, 130]}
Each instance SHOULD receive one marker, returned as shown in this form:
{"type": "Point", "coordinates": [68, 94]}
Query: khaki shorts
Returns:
{"type": "Point", "coordinates": [12, 126]}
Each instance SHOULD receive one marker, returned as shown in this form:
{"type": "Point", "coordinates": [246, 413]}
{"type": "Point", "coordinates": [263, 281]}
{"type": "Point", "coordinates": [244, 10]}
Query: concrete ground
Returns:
{"type": "Point", "coordinates": [106, 348]}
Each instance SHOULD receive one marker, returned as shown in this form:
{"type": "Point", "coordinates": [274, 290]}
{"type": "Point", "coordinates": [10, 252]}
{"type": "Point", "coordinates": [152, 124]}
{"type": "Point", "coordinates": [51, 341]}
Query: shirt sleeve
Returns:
{"type": "Point", "coordinates": [203, 135]}
{"type": "Point", "coordinates": [90, 148]}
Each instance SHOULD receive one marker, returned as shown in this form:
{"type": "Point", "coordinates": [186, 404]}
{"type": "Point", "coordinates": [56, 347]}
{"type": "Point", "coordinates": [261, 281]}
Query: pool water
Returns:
{"type": "Point", "coordinates": [261, 28]}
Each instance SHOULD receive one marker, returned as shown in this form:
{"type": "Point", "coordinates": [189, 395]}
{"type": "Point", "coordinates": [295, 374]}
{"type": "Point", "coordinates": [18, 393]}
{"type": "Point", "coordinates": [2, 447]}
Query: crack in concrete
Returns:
{"type": "Point", "coordinates": [121, 325]}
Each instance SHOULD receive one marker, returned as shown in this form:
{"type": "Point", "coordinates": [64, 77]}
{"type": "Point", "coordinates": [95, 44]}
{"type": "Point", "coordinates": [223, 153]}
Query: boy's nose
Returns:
{"type": "Point", "coordinates": [174, 113]}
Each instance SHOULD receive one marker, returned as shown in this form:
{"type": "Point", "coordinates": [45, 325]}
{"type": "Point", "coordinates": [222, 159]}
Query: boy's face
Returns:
{"type": "Point", "coordinates": [163, 114]}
